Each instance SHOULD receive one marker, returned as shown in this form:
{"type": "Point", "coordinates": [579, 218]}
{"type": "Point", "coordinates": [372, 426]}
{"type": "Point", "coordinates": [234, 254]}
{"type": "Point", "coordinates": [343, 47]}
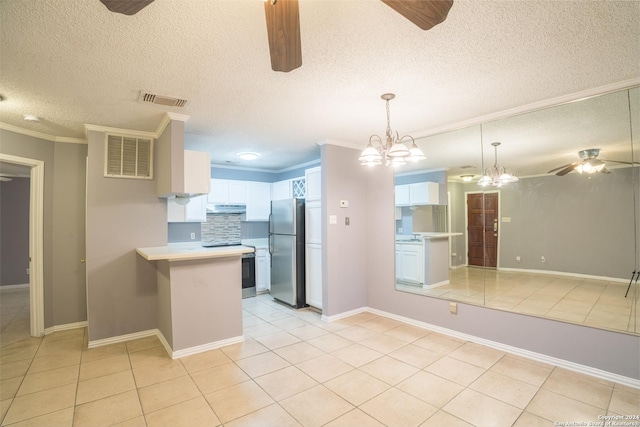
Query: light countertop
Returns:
{"type": "Point", "coordinates": [190, 251]}
{"type": "Point", "coordinates": [257, 243]}
{"type": "Point", "coordinates": [426, 235]}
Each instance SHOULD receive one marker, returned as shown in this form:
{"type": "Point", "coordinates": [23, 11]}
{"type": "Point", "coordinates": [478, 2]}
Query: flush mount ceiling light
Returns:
{"type": "Point", "coordinates": [248, 155]}
{"type": "Point", "coordinates": [31, 118]}
{"type": "Point", "coordinates": [392, 150]}
{"type": "Point", "coordinates": [496, 175]}
{"type": "Point", "coordinates": [466, 178]}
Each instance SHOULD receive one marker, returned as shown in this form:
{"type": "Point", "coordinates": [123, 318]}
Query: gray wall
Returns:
{"type": "Point", "coordinates": [122, 215]}
{"type": "Point", "coordinates": [458, 212]}
{"type": "Point", "coordinates": [69, 186]}
{"type": "Point", "coordinates": [14, 231]}
{"type": "Point", "coordinates": [60, 205]}
{"type": "Point", "coordinates": [579, 225]}
{"type": "Point", "coordinates": [344, 247]}
{"type": "Point", "coordinates": [557, 339]}
{"type": "Point", "coordinates": [345, 270]}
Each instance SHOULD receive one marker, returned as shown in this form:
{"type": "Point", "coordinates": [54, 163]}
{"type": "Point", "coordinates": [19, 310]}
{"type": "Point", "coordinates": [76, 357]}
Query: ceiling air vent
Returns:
{"type": "Point", "coordinates": [167, 101]}
{"type": "Point", "coordinates": [128, 157]}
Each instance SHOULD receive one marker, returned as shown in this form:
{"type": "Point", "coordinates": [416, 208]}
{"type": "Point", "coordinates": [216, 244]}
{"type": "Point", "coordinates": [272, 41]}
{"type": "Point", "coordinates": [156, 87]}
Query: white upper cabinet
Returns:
{"type": "Point", "coordinates": [419, 193]}
{"type": "Point", "coordinates": [424, 193]}
{"type": "Point", "coordinates": [288, 188]}
{"type": "Point", "coordinates": [218, 192]}
{"type": "Point", "coordinates": [258, 201]}
{"type": "Point", "coordinates": [281, 190]}
{"type": "Point", "coordinates": [402, 195]}
{"type": "Point", "coordinates": [227, 192]}
{"type": "Point", "coordinates": [313, 184]}
{"type": "Point", "coordinates": [237, 192]}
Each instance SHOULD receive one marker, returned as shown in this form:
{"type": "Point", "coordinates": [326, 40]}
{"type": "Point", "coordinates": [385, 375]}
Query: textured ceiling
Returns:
{"type": "Point", "coordinates": [72, 62]}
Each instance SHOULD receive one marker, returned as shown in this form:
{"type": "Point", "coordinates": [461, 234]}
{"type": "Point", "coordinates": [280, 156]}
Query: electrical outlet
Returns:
{"type": "Point", "coordinates": [453, 308]}
{"type": "Point", "coordinates": [193, 236]}
{"type": "Point", "coordinates": [518, 258]}
{"type": "Point", "coordinates": [543, 259]}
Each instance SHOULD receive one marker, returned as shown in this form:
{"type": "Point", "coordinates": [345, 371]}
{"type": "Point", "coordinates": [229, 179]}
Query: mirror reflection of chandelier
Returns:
{"type": "Point", "coordinates": [392, 151]}
{"type": "Point", "coordinates": [496, 175]}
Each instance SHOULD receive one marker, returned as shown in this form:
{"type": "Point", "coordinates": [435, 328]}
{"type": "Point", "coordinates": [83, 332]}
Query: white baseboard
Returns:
{"type": "Point", "coordinates": [563, 273]}
{"type": "Point", "coordinates": [539, 357]}
{"type": "Point", "coordinates": [173, 354]}
{"type": "Point", "coordinates": [205, 347]}
{"type": "Point", "coordinates": [435, 285]}
{"type": "Point", "coordinates": [124, 338]}
{"type": "Point", "coordinates": [65, 327]}
{"type": "Point", "coordinates": [343, 315]}
{"type": "Point", "coordinates": [14, 287]}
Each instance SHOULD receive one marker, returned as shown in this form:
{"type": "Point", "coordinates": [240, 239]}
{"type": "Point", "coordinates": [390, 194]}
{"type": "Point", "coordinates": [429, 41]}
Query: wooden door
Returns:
{"type": "Point", "coordinates": [482, 231]}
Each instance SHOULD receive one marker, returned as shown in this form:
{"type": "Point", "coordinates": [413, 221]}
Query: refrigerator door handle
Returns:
{"type": "Point", "coordinates": [270, 245]}
{"type": "Point", "coordinates": [270, 223]}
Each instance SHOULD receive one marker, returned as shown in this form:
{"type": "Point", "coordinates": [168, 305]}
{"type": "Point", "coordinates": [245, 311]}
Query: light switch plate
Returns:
{"type": "Point", "coordinates": [333, 219]}
{"type": "Point", "coordinates": [344, 203]}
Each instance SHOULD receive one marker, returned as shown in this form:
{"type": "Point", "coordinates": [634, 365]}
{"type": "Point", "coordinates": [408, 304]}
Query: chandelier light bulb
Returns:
{"type": "Point", "coordinates": [392, 150]}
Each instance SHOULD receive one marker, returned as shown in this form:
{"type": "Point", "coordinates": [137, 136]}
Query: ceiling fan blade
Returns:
{"type": "Point", "coordinates": [568, 169]}
{"type": "Point", "coordinates": [126, 7]}
{"type": "Point", "coordinates": [4, 179]}
{"type": "Point", "coordinates": [563, 166]}
{"type": "Point", "coordinates": [424, 13]}
{"type": "Point", "coordinates": [283, 30]}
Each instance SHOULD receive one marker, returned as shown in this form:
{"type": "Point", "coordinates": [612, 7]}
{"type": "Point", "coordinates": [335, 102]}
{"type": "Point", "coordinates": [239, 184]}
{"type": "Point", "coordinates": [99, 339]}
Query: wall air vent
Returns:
{"type": "Point", "coordinates": [128, 157]}
{"type": "Point", "coordinates": [167, 101]}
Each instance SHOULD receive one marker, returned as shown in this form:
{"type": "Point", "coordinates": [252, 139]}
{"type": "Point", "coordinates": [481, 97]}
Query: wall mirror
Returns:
{"type": "Point", "coordinates": [562, 247]}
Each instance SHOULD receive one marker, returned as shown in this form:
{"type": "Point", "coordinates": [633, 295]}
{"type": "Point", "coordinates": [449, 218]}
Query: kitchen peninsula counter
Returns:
{"type": "Point", "coordinates": [434, 257]}
{"type": "Point", "coordinates": [199, 295]}
{"type": "Point", "coordinates": [190, 251]}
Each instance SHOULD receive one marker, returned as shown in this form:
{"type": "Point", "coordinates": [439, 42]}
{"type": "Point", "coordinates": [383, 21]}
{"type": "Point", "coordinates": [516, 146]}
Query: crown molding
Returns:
{"type": "Point", "coordinates": [339, 143]}
{"type": "Point", "coordinates": [528, 108]}
{"type": "Point", "coordinates": [168, 117]}
{"type": "Point", "coordinates": [41, 135]}
{"type": "Point", "coordinates": [127, 132]}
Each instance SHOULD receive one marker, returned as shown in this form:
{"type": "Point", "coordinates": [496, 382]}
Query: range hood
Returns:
{"type": "Point", "coordinates": [181, 174]}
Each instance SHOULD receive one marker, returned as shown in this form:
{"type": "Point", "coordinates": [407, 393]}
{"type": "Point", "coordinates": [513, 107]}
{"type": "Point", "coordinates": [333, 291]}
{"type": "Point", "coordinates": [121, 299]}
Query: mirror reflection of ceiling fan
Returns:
{"type": "Point", "coordinates": [588, 163]}
{"type": "Point", "coordinates": [283, 23]}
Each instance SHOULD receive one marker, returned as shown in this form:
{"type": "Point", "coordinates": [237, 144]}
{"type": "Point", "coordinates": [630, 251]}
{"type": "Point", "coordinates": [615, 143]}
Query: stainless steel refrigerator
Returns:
{"type": "Point", "coordinates": [286, 246]}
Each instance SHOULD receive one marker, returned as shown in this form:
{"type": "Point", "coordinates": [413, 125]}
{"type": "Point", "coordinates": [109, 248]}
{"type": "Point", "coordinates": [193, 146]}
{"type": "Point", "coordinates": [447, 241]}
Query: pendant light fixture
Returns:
{"type": "Point", "coordinates": [392, 151]}
{"type": "Point", "coordinates": [496, 176]}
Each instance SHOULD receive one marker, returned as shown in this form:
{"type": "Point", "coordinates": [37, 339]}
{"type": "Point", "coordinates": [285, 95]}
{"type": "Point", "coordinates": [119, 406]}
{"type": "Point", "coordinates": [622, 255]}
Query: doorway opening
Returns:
{"type": "Point", "coordinates": [36, 218]}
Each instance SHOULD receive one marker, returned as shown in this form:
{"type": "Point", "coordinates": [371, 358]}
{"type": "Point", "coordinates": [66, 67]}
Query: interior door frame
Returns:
{"type": "Point", "coordinates": [36, 245]}
{"type": "Point", "coordinates": [466, 225]}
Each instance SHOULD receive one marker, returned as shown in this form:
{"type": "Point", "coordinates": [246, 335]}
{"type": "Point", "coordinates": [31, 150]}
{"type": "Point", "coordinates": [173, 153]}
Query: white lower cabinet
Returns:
{"type": "Point", "coordinates": [313, 280]}
{"type": "Point", "coordinates": [410, 262]}
{"type": "Point", "coordinates": [258, 201]}
{"type": "Point", "coordinates": [263, 270]}
{"type": "Point", "coordinates": [313, 253]}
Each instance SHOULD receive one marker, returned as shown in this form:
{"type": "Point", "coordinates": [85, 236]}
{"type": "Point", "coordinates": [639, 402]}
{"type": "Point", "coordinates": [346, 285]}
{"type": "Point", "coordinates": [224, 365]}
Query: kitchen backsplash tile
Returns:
{"type": "Point", "coordinates": [221, 229]}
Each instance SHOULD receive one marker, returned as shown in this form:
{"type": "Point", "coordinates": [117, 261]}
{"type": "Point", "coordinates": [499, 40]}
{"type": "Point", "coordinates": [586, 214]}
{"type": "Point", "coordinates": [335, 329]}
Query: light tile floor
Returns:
{"type": "Point", "coordinates": [292, 370]}
{"type": "Point", "coordinates": [597, 303]}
